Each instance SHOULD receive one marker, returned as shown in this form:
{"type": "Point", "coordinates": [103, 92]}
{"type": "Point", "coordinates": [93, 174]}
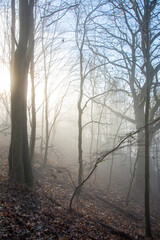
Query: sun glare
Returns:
{"type": "Point", "coordinates": [5, 79]}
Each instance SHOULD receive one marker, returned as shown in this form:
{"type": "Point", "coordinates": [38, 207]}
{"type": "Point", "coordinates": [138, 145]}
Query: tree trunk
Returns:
{"type": "Point", "coordinates": [80, 129]}
{"type": "Point", "coordinates": [33, 127]}
{"type": "Point", "coordinates": [20, 169]}
{"type": "Point", "coordinates": [139, 120]}
{"type": "Point", "coordinates": [46, 112]}
{"type": "Point", "coordinates": [46, 123]}
{"type": "Point", "coordinates": [146, 53]}
{"type": "Point", "coordinates": [80, 152]}
{"type": "Point", "coordinates": [20, 166]}
{"type": "Point", "coordinates": [140, 172]}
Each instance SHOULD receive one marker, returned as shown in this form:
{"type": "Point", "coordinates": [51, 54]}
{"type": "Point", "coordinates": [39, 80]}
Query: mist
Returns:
{"type": "Point", "coordinates": [87, 103]}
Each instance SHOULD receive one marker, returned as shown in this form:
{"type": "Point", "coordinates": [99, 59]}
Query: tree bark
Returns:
{"type": "Point", "coordinates": [20, 169]}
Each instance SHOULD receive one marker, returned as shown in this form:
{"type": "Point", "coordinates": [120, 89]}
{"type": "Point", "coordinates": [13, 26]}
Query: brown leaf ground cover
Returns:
{"type": "Point", "coordinates": [42, 213]}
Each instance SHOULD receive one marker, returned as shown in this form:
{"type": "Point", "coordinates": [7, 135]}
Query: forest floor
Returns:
{"type": "Point", "coordinates": [42, 213]}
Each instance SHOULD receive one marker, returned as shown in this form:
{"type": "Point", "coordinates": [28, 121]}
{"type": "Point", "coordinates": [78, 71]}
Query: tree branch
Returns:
{"type": "Point", "coordinates": [104, 155]}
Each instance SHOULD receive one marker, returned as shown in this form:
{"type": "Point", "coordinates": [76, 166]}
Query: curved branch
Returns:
{"type": "Point", "coordinates": [103, 156]}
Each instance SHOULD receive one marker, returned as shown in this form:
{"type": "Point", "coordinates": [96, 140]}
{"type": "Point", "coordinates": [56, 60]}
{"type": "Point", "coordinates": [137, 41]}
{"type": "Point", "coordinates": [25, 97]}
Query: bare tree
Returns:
{"type": "Point", "coordinates": [20, 169]}
{"type": "Point", "coordinates": [82, 25]}
{"type": "Point", "coordinates": [133, 34]}
{"type": "Point", "coordinates": [51, 57]}
{"type": "Point", "coordinates": [124, 51]}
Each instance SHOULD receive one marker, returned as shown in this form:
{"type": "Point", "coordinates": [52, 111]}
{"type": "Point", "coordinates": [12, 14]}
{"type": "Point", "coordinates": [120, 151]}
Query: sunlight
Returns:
{"type": "Point", "coordinates": [5, 79]}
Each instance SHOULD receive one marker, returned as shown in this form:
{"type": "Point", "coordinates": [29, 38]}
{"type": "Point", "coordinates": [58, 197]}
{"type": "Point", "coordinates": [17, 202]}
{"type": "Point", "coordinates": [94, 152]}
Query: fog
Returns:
{"type": "Point", "coordinates": [103, 130]}
{"type": "Point", "coordinates": [82, 86]}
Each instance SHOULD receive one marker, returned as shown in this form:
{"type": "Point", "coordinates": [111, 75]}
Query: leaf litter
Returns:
{"type": "Point", "coordinates": [42, 213]}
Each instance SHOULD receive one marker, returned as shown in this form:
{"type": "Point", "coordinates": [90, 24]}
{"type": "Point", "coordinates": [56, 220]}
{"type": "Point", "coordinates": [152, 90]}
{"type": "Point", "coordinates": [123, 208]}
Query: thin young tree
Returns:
{"type": "Point", "coordinates": [81, 29]}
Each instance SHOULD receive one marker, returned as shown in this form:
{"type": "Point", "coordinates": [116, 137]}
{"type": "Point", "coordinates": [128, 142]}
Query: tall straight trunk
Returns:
{"type": "Point", "coordinates": [20, 169]}
{"type": "Point", "coordinates": [140, 163]}
{"type": "Point", "coordinates": [147, 173]}
{"type": "Point", "coordinates": [12, 62]}
{"type": "Point", "coordinates": [33, 127]}
{"type": "Point", "coordinates": [33, 104]}
{"type": "Point", "coordinates": [46, 107]}
{"type": "Point", "coordinates": [46, 129]}
{"type": "Point", "coordinates": [149, 78]}
{"type": "Point", "coordinates": [42, 134]}
{"type": "Point", "coordinates": [13, 33]}
{"type": "Point", "coordinates": [46, 123]}
{"type": "Point", "coordinates": [80, 152]}
{"type": "Point", "coordinates": [80, 129]}
{"type": "Point", "coordinates": [92, 131]}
